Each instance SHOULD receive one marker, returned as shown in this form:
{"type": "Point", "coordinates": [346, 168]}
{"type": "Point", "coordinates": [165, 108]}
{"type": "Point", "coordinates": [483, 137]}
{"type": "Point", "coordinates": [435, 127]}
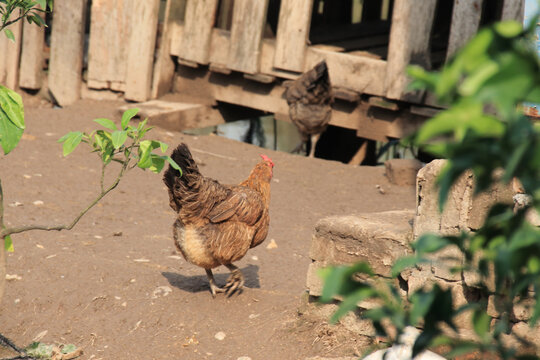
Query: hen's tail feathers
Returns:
{"type": "Point", "coordinates": [182, 156]}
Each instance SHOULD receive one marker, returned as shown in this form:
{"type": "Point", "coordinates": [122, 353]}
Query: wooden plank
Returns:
{"type": "Point", "coordinates": [67, 43]}
{"type": "Point", "coordinates": [513, 10]}
{"type": "Point", "coordinates": [164, 66]}
{"type": "Point", "coordinates": [361, 74]}
{"type": "Point", "coordinates": [11, 52]}
{"type": "Point", "coordinates": [358, 73]}
{"type": "Point", "coordinates": [141, 50]}
{"type": "Point", "coordinates": [177, 12]}
{"type": "Point", "coordinates": [465, 22]}
{"type": "Point", "coordinates": [292, 34]}
{"type": "Point", "coordinates": [199, 20]}
{"type": "Point", "coordinates": [177, 116]}
{"type": "Point", "coordinates": [219, 49]}
{"type": "Point", "coordinates": [31, 73]}
{"type": "Point", "coordinates": [110, 30]}
{"type": "Point", "coordinates": [409, 44]}
{"type": "Point", "coordinates": [249, 18]}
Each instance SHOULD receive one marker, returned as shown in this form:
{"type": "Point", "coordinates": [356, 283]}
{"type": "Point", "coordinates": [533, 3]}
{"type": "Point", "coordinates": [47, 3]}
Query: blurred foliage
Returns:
{"type": "Point", "coordinates": [482, 129]}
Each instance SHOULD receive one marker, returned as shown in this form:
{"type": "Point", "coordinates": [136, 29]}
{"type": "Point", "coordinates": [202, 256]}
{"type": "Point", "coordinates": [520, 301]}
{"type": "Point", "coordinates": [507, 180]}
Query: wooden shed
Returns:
{"type": "Point", "coordinates": [240, 52]}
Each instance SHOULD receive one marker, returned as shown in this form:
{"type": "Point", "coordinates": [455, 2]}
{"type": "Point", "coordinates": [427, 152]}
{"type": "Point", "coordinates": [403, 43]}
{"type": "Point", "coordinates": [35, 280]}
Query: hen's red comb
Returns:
{"type": "Point", "coordinates": [266, 158]}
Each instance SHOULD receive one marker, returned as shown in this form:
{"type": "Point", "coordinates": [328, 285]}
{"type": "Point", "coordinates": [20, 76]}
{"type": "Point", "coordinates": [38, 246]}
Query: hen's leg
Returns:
{"type": "Point", "coordinates": [314, 139]}
{"type": "Point", "coordinates": [213, 287]}
{"type": "Point", "coordinates": [235, 282]}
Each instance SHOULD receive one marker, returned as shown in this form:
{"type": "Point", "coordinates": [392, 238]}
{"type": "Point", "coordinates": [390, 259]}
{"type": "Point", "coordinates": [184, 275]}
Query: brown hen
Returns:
{"type": "Point", "coordinates": [310, 98]}
{"type": "Point", "coordinates": [217, 224]}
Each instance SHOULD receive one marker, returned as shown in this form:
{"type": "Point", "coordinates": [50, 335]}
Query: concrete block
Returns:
{"type": "Point", "coordinates": [377, 238]}
{"type": "Point", "coordinates": [313, 282]}
{"type": "Point", "coordinates": [522, 311]}
{"type": "Point", "coordinates": [402, 171]}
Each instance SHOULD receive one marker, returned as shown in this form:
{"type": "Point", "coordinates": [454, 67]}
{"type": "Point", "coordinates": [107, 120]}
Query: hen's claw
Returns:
{"type": "Point", "coordinates": [214, 289]}
{"type": "Point", "coordinates": [235, 282]}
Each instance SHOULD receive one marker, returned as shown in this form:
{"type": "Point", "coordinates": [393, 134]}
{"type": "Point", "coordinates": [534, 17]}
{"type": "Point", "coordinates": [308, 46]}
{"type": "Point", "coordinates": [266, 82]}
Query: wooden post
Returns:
{"type": "Point", "coordinates": [199, 20]}
{"type": "Point", "coordinates": [141, 50]}
{"type": "Point", "coordinates": [67, 46]}
{"type": "Point", "coordinates": [292, 34]}
{"type": "Point", "coordinates": [513, 10]}
{"type": "Point", "coordinates": [31, 69]}
{"type": "Point", "coordinates": [249, 18]}
{"type": "Point", "coordinates": [11, 51]}
{"type": "Point", "coordinates": [164, 66]}
{"type": "Point", "coordinates": [110, 30]}
{"type": "Point", "coordinates": [409, 44]}
{"type": "Point", "coordinates": [465, 22]}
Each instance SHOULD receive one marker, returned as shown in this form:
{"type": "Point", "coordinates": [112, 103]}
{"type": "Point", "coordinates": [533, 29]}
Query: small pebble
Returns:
{"type": "Point", "coordinates": [26, 176]}
{"type": "Point", "coordinates": [220, 336]}
{"type": "Point", "coordinates": [255, 258]}
{"type": "Point", "coordinates": [254, 316]}
{"type": "Point", "coordinates": [98, 237]}
{"type": "Point", "coordinates": [16, 301]}
{"type": "Point", "coordinates": [38, 203]}
{"type": "Point", "coordinates": [118, 233]}
{"type": "Point", "coordinates": [272, 244]}
{"type": "Point", "coordinates": [244, 358]}
{"type": "Point", "coordinates": [15, 204]}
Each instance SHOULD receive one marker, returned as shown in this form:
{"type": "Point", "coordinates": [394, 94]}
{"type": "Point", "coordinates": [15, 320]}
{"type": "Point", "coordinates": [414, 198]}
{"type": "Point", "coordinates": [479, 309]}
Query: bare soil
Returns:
{"type": "Point", "coordinates": [104, 286]}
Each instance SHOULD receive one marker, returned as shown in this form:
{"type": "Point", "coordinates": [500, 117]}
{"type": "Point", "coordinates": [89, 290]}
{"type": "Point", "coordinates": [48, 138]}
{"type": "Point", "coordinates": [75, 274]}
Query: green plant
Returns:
{"type": "Point", "coordinates": [482, 130]}
{"type": "Point", "coordinates": [12, 11]}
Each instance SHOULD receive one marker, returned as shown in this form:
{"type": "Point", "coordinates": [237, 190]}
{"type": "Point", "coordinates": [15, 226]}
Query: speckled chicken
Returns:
{"type": "Point", "coordinates": [310, 99]}
{"type": "Point", "coordinates": [217, 224]}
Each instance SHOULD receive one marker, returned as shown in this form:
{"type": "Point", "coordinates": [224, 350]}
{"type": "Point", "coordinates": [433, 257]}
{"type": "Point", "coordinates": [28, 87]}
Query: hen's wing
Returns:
{"type": "Point", "coordinates": [243, 204]}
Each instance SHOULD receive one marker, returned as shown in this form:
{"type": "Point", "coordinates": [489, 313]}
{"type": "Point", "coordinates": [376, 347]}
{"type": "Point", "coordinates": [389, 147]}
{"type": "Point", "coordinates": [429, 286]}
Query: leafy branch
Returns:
{"type": "Point", "coordinates": [28, 10]}
{"type": "Point", "coordinates": [483, 130]}
{"type": "Point", "coordinates": [110, 146]}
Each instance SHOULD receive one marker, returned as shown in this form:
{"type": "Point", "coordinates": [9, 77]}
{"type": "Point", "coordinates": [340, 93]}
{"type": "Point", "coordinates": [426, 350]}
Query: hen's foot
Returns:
{"type": "Point", "coordinates": [235, 282]}
{"type": "Point", "coordinates": [214, 289]}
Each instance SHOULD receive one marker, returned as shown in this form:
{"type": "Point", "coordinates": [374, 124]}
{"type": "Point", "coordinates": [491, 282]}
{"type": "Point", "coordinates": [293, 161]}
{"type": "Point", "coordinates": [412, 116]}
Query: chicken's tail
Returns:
{"type": "Point", "coordinates": [176, 182]}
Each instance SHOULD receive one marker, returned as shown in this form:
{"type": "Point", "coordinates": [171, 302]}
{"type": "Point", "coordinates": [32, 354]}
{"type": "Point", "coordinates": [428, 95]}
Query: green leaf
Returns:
{"type": "Point", "coordinates": [508, 29]}
{"type": "Point", "coordinates": [481, 323]}
{"type": "Point", "coordinates": [42, 3]}
{"type": "Point", "coordinates": [127, 116]}
{"type": "Point", "coordinates": [9, 35]}
{"type": "Point", "coordinates": [338, 280]}
{"type": "Point", "coordinates": [430, 243]}
{"type": "Point", "coordinates": [10, 134]}
{"type": "Point", "coordinates": [157, 163]}
{"type": "Point", "coordinates": [351, 302]}
{"type": "Point", "coordinates": [118, 138]}
{"type": "Point", "coordinates": [173, 164]}
{"type": "Point", "coordinates": [8, 244]}
{"type": "Point", "coordinates": [71, 141]}
{"type": "Point", "coordinates": [421, 304]}
{"type": "Point", "coordinates": [145, 148]}
{"type": "Point", "coordinates": [163, 146]}
{"type": "Point", "coordinates": [11, 104]}
{"type": "Point", "coordinates": [106, 123]}
{"type": "Point", "coordinates": [404, 263]}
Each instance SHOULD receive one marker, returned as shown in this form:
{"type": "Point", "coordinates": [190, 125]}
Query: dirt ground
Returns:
{"type": "Point", "coordinates": [115, 286]}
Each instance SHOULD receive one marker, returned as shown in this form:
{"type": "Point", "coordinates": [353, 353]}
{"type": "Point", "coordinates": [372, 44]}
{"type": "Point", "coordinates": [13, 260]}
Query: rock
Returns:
{"type": "Point", "coordinates": [377, 238]}
{"type": "Point", "coordinates": [220, 336]}
{"type": "Point", "coordinates": [161, 291]}
{"type": "Point", "coordinates": [402, 171]}
{"type": "Point", "coordinates": [272, 244]}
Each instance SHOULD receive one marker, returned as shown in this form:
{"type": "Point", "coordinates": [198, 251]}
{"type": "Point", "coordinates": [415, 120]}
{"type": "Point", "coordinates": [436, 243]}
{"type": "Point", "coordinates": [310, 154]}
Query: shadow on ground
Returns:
{"type": "Point", "coordinates": [199, 283]}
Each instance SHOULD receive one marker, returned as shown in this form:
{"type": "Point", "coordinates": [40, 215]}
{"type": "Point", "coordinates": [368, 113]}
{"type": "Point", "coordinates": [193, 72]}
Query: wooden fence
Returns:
{"type": "Point", "coordinates": [241, 51]}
